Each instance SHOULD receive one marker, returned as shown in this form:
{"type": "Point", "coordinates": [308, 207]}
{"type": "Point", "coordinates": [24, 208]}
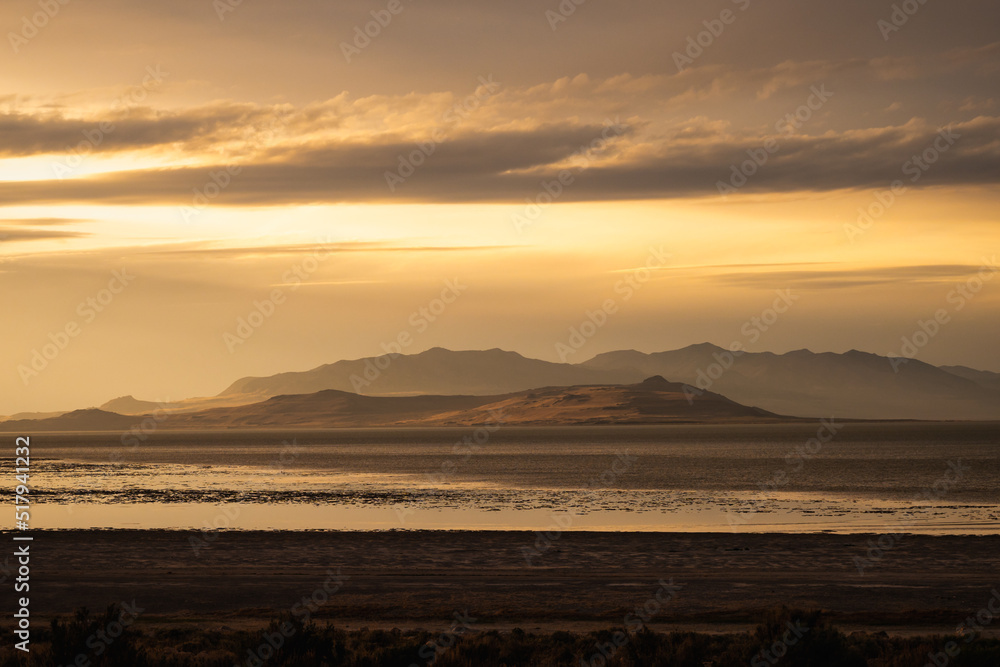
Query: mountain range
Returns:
{"type": "Point", "coordinates": [653, 401]}
{"type": "Point", "coordinates": [855, 384]}
{"type": "Point", "coordinates": [444, 386]}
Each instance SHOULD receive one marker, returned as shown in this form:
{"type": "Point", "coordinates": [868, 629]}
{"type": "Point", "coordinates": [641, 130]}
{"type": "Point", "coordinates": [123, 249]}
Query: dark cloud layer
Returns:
{"type": "Point", "coordinates": [24, 134]}
{"type": "Point", "coordinates": [511, 166]}
{"type": "Point", "coordinates": [435, 44]}
{"type": "Point", "coordinates": [8, 235]}
{"type": "Point", "coordinates": [341, 126]}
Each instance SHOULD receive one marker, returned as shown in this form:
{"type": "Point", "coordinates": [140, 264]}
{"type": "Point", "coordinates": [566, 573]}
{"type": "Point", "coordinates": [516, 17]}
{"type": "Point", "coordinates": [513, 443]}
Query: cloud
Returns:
{"type": "Point", "coordinates": [42, 222]}
{"type": "Point", "coordinates": [848, 278]}
{"type": "Point", "coordinates": [9, 235]}
{"type": "Point", "coordinates": [202, 249]}
{"type": "Point", "coordinates": [46, 132]}
{"type": "Point", "coordinates": [213, 250]}
{"type": "Point", "coordinates": [44, 125]}
{"type": "Point", "coordinates": [511, 166]}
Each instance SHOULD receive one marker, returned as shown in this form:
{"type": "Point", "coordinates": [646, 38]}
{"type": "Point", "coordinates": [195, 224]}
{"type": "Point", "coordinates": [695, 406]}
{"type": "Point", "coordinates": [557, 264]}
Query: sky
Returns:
{"type": "Point", "coordinates": [197, 191]}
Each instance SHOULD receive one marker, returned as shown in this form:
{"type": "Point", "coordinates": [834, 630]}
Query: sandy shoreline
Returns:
{"type": "Point", "coordinates": [582, 580]}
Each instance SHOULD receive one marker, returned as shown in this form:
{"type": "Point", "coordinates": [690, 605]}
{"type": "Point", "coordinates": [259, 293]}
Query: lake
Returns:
{"type": "Point", "coordinates": [825, 476]}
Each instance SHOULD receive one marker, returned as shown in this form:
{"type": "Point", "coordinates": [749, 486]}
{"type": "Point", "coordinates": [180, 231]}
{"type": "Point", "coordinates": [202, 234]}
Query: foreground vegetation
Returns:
{"type": "Point", "coordinates": [783, 637]}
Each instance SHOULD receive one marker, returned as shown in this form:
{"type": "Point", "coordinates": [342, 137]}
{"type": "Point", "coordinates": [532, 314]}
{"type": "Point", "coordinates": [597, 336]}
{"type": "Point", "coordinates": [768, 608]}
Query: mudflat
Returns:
{"type": "Point", "coordinates": [516, 579]}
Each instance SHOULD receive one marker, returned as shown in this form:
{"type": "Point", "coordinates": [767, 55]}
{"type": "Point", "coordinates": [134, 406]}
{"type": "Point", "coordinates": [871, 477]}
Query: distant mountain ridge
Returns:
{"type": "Point", "coordinates": [852, 385]}
{"type": "Point", "coordinates": [802, 383]}
{"type": "Point", "coordinates": [435, 371]}
{"type": "Point", "coordinates": [986, 379]}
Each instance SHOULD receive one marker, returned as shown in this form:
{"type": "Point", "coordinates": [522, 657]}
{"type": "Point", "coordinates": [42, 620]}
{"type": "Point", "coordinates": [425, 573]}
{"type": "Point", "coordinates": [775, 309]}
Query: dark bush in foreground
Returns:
{"type": "Point", "coordinates": [785, 637]}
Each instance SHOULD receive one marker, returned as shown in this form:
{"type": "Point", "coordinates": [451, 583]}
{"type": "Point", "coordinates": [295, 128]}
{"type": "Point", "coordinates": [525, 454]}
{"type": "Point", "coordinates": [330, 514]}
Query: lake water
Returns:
{"type": "Point", "coordinates": [851, 477]}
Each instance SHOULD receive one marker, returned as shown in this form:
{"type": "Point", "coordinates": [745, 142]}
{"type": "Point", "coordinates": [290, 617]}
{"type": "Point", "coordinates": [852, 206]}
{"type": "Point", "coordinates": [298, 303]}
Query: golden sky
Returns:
{"type": "Point", "coordinates": [696, 157]}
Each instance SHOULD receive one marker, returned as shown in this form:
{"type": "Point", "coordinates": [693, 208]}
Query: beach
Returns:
{"type": "Point", "coordinates": [575, 580]}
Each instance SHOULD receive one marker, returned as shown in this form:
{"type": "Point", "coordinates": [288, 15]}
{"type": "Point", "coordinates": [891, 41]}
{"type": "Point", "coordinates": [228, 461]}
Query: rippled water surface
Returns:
{"type": "Point", "coordinates": [886, 477]}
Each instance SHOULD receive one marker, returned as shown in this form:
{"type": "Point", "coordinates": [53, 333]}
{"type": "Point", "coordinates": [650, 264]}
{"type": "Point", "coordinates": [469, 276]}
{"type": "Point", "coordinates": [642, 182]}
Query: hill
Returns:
{"type": "Point", "coordinates": [654, 401]}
